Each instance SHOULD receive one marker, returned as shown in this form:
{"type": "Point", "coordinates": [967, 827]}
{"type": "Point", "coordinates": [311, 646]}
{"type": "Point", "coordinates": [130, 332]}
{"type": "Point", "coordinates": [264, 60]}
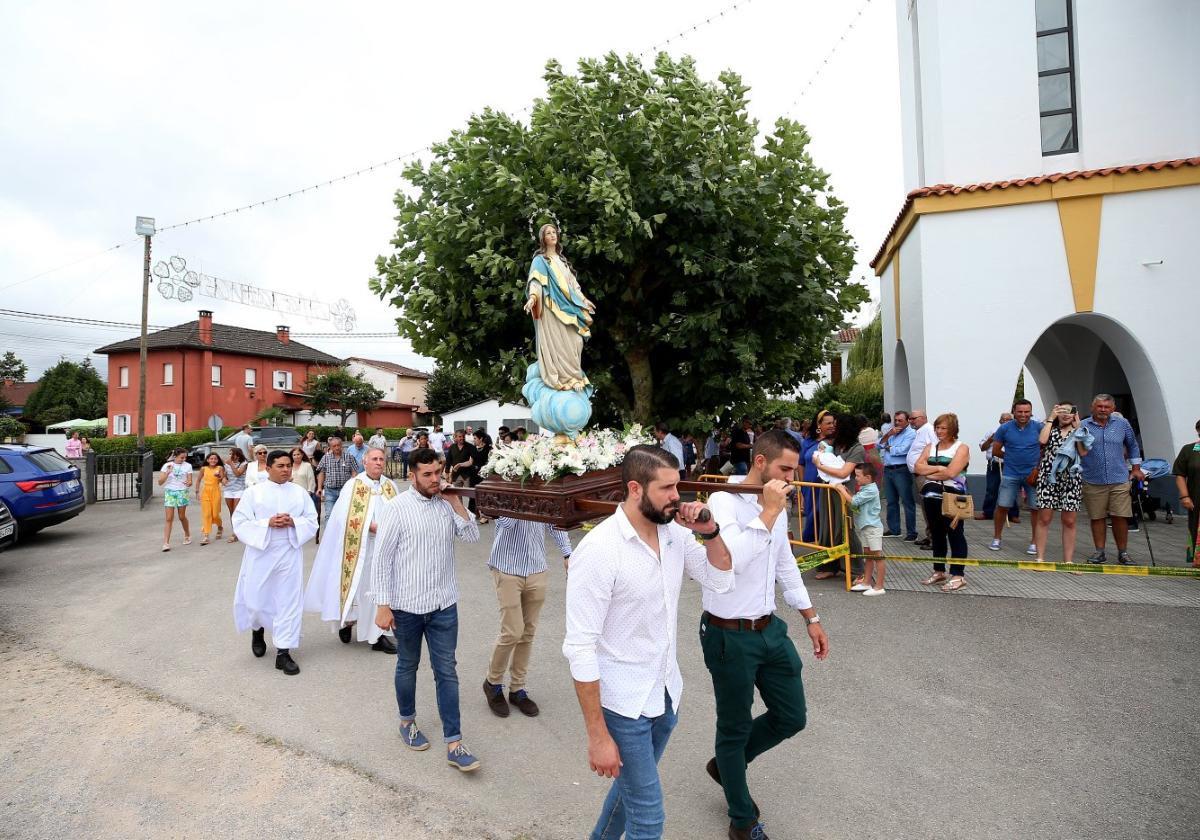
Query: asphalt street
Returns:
{"type": "Point", "coordinates": [934, 716]}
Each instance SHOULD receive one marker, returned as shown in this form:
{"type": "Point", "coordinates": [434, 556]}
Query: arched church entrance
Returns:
{"type": "Point", "coordinates": [902, 399]}
{"type": "Point", "coordinates": [1087, 354]}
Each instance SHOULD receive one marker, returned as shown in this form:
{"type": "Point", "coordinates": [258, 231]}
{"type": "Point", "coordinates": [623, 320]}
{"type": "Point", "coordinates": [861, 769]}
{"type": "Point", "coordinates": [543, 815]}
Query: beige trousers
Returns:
{"type": "Point", "coordinates": [521, 600]}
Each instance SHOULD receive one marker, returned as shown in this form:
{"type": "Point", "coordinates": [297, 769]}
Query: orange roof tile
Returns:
{"type": "Point", "coordinates": [950, 189]}
{"type": "Point", "coordinates": [849, 336]}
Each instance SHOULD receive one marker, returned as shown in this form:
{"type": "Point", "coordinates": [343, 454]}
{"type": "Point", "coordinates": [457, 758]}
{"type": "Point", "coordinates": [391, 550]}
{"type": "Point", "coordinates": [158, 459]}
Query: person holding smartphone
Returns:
{"type": "Point", "coordinates": [1065, 494]}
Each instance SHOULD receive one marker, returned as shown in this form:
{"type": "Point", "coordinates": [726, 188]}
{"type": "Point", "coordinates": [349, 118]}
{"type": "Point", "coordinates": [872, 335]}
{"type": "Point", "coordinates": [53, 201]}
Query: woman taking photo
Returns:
{"type": "Point", "coordinates": [820, 429]}
{"type": "Point", "coordinates": [835, 459]}
{"type": "Point", "coordinates": [943, 464]}
{"type": "Point", "coordinates": [235, 485]}
{"type": "Point", "coordinates": [1063, 494]}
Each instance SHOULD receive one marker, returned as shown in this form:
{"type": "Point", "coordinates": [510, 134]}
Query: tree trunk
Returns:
{"type": "Point", "coordinates": [638, 359]}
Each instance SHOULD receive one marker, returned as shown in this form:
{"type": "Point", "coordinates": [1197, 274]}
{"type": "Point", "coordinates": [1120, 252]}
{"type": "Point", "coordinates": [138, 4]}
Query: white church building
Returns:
{"type": "Point", "coordinates": [1052, 163]}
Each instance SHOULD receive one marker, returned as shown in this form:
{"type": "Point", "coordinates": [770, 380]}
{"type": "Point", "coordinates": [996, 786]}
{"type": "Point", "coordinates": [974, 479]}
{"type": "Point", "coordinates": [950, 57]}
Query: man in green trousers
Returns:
{"type": "Point", "coordinates": [744, 643]}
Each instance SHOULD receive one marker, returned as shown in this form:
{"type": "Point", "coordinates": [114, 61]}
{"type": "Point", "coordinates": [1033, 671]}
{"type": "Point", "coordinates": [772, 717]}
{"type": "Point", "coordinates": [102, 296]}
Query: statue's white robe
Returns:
{"type": "Point", "coordinates": [324, 591]}
{"type": "Point", "coordinates": [270, 587]}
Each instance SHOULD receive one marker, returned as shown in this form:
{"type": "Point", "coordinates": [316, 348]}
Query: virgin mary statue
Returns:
{"type": "Point", "coordinates": [562, 316]}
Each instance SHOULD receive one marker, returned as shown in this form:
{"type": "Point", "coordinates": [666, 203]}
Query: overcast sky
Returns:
{"type": "Point", "coordinates": [180, 110]}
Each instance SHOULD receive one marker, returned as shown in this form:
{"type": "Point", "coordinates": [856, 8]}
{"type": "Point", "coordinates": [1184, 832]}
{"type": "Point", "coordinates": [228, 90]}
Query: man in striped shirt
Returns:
{"type": "Point", "coordinates": [414, 585]}
{"type": "Point", "coordinates": [518, 564]}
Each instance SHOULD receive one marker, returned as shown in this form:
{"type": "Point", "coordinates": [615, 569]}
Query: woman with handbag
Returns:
{"type": "Point", "coordinates": [1063, 492]}
{"type": "Point", "coordinates": [943, 464]}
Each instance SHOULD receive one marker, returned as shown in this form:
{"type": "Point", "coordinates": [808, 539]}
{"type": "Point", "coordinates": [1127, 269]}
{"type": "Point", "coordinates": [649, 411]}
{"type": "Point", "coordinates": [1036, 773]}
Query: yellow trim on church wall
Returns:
{"type": "Point", "coordinates": [1097, 185]}
{"type": "Point", "coordinates": [896, 292]}
{"type": "Point", "coordinates": [1080, 220]}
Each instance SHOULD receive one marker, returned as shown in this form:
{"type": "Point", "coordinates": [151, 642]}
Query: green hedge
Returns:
{"type": "Point", "coordinates": [390, 432]}
{"type": "Point", "coordinates": [160, 444]}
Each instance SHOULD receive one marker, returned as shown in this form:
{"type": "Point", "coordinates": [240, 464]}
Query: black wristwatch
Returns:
{"type": "Point", "coordinates": [707, 537]}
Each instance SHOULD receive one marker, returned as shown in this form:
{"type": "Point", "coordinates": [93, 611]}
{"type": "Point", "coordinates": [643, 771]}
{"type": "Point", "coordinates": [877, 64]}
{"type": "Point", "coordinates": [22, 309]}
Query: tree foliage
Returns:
{"type": "Point", "coordinates": [451, 387]}
{"type": "Point", "coordinates": [340, 392]}
{"type": "Point", "coordinates": [10, 428]}
{"type": "Point", "coordinates": [718, 268]}
{"type": "Point", "coordinates": [67, 391]}
{"type": "Point", "coordinates": [11, 367]}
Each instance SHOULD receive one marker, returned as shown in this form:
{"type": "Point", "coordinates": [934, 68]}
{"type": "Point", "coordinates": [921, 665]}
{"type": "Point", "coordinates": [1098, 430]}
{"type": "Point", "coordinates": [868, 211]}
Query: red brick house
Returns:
{"type": "Point", "coordinates": [198, 369]}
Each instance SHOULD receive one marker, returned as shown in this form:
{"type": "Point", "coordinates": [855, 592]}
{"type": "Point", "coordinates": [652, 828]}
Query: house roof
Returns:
{"type": "Point", "coordinates": [17, 393]}
{"type": "Point", "coordinates": [228, 339]}
{"type": "Point", "coordinates": [1053, 178]}
{"type": "Point", "coordinates": [849, 335]}
{"type": "Point", "coordinates": [399, 370]}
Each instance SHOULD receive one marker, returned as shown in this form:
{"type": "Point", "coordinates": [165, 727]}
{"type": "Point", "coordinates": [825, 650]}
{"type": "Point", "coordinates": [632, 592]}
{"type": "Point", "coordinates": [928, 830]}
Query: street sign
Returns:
{"type": "Point", "coordinates": [215, 423]}
{"type": "Point", "coordinates": [144, 226]}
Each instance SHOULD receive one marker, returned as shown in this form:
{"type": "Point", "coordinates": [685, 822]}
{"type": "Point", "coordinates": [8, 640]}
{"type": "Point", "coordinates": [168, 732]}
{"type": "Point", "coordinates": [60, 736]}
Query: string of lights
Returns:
{"type": "Point", "coordinates": [825, 61]}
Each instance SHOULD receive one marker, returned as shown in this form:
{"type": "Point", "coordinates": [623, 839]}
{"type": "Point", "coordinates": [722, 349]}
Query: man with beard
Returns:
{"type": "Point", "coordinates": [622, 607]}
{"type": "Point", "coordinates": [414, 584]}
{"type": "Point", "coordinates": [341, 572]}
{"type": "Point", "coordinates": [745, 644]}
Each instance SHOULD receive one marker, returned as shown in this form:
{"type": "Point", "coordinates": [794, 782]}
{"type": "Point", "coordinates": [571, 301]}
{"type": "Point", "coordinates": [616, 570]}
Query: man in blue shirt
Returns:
{"type": "Point", "coordinates": [1106, 476]}
{"type": "Point", "coordinates": [897, 480]}
{"type": "Point", "coordinates": [1018, 442]}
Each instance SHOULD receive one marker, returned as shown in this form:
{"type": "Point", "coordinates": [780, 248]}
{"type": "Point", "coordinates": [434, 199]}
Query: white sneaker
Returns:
{"type": "Point", "coordinates": [859, 587]}
{"type": "Point", "coordinates": [994, 545]}
{"type": "Point", "coordinates": [1032, 550]}
{"type": "Point", "coordinates": [875, 592]}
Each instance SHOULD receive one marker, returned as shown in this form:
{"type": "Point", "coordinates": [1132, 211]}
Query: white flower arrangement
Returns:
{"type": "Point", "coordinates": [541, 457]}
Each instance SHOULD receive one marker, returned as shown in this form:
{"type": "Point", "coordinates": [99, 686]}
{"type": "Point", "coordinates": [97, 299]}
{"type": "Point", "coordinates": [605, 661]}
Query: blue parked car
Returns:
{"type": "Point", "coordinates": [38, 488]}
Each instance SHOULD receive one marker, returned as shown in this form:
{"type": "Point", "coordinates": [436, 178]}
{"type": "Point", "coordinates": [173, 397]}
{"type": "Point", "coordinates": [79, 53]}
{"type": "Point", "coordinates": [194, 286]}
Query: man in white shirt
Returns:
{"type": "Point", "coordinates": [672, 444]}
{"type": "Point", "coordinates": [437, 441]}
{"type": "Point", "coordinates": [744, 644]}
{"type": "Point", "coordinates": [378, 440]}
{"type": "Point", "coordinates": [244, 441]}
{"type": "Point", "coordinates": [622, 610]}
{"type": "Point", "coordinates": [925, 435]}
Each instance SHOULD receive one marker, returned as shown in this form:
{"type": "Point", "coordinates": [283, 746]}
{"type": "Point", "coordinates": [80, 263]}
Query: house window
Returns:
{"type": "Point", "coordinates": [123, 377]}
{"type": "Point", "coordinates": [283, 380]}
{"type": "Point", "coordinates": [216, 375]}
{"type": "Point", "coordinates": [168, 373]}
{"type": "Point", "coordinates": [1056, 77]}
{"type": "Point", "coordinates": [121, 423]}
{"type": "Point", "coordinates": [166, 424]}
{"type": "Point", "coordinates": [251, 378]}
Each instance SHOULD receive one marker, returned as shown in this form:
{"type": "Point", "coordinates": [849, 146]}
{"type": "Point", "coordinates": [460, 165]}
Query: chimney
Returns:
{"type": "Point", "coordinates": [284, 333]}
{"type": "Point", "coordinates": [205, 326]}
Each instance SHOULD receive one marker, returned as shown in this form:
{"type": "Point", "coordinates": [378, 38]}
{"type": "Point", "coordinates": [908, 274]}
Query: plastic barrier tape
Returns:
{"type": "Point", "coordinates": [1032, 566]}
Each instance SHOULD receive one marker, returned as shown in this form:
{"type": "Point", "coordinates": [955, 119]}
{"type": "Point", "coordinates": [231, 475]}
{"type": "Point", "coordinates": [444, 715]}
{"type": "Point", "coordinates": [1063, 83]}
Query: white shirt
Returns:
{"type": "Point", "coordinates": [673, 445]}
{"type": "Point", "coordinates": [760, 557]}
{"type": "Point", "coordinates": [378, 441]}
{"type": "Point", "coordinates": [623, 608]}
{"type": "Point", "coordinates": [177, 475]}
{"type": "Point", "coordinates": [437, 441]}
{"type": "Point", "coordinates": [924, 436]}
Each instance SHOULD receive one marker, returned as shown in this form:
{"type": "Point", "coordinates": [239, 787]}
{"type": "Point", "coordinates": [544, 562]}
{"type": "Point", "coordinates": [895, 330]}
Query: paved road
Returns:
{"type": "Point", "coordinates": [936, 715]}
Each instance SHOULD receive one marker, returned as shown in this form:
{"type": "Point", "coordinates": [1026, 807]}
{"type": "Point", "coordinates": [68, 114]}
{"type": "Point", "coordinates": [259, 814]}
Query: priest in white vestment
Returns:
{"type": "Point", "coordinates": [274, 520]}
{"type": "Point", "coordinates": [340, 581]}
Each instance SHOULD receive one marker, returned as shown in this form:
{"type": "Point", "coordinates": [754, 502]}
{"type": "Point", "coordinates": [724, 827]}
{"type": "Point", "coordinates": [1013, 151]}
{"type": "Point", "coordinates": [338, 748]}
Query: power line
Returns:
{"type": "Point", "coordinates": [95, 323]}
{"type": "Point", "coordinates": [73, 262]}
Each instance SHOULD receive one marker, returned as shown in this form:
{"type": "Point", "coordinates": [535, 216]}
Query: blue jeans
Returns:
{"type": "Point", "coordinates": [634, 805]}
{"type": "Point", "coordinates": [741, 469]}
{"type": "Point", "coordinates": [331, 497]}
{"type": "Point", "coordinates": [1011, 488]}
{"type": "Point", "coordinates": [440, 630]}
{"type": "Point", "coordinates": [404, 463]}
{"type": "Point", "coordinates": [898, 488]}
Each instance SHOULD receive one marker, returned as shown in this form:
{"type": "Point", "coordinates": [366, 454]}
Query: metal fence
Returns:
{"type": "Point", "coordinates": [126, 476]}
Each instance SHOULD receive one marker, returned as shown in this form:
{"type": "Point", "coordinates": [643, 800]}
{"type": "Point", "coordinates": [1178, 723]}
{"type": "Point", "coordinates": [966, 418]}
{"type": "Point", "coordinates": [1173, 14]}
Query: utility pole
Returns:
{"type": "Point", "coordinates": [145, 229]}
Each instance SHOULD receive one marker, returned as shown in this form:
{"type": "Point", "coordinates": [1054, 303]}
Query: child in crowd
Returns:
{"type": "Point", "coordinates": [864, 505]}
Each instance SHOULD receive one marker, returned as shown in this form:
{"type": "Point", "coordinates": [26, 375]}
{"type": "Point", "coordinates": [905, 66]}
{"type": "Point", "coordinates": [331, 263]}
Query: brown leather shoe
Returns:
{"type": "Point", "coordinates": [524, 702]}
{"type": "Point", "coordinates": [495, 699]}
{"type": "Point", "coordinates": [715, 774]}
{"type": "Point", "coordinates": [753, 832]}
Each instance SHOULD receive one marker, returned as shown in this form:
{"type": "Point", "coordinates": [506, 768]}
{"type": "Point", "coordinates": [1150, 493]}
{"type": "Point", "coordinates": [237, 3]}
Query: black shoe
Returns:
{"type": "Point", "coordinates": [285, 663]}
{"type": "Point", "coordinates": [258, 645]}
{"type": "Point", "coordinates": [714, 773]}
{"type": "Point", "coordinates": [344, 633]}
{"type": "Point", "coordinates": [891, 533]}
{"type": "Point", "coordinates": [495, 699]}
{"type": "Point", "coordinates": [911, 538]}
{"type": "Point", "coordinates": [521, 699]}
{"type": "Point", "coordinates": [924, 542]}
{"type": "Point", "coordinates": [753, 832]}
{"type": "Point", "coordinates": [385, 645]}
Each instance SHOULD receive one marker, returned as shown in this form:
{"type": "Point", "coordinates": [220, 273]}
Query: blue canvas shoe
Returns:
{"type": "Point", "coordinates": [460, 758]}
{"type": "Point", "coordinates": [413, 739]}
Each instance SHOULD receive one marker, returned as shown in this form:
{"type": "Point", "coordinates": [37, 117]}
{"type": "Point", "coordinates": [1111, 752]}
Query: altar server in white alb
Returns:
{"type": "Point", "coordinates": [274, 520]}
{"type": "Point", "coordinates": [340, 581]}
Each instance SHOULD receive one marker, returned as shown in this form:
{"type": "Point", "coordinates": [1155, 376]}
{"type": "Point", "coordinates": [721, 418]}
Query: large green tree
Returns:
{"type": "Point", "coordinates": [717, 258]}
{"type": "Point", "coordinates": [67, 391]}
{"type": "Point", "coordinates": [12, 367]}
{"type": "Point", "coordinates": [340, 392]}
{"type": "Point", "coordinates": [449, 388]}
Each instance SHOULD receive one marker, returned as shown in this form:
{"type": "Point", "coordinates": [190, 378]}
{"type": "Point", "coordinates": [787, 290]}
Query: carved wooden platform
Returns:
{"type": "Point", "coordinates": [555, 501]}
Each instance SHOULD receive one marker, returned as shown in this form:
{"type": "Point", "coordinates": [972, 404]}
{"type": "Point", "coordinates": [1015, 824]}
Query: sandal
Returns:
{"type": "Point", "coordinates": [936, 577]}
{"type": "Point", "coordinates": [166, 546]}
{"type": "Point", "coordinates": [187, 541]}
{"type": "Point", "coordinates": [954, 584]}
{"type": "Point", "coordinates": [203, 541]}
{"type": "Point", "coordinates": [232, 539]}
{"type": "Point", "coordinates": [824, 575]}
